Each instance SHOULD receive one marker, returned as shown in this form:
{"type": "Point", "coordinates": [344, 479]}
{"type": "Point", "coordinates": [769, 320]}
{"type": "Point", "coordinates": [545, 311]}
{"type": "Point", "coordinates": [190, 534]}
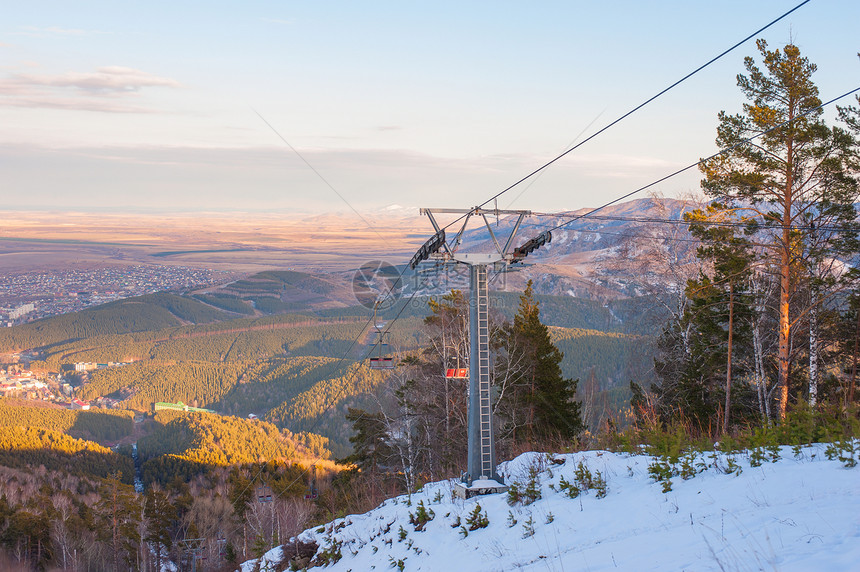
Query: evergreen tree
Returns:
{"type": "Point", "coordinates": [119, 514]}
{"type": "Point", "coordinates": [160, 514]}
{"type": "Point", "coordinates": [847, 350]}
{"type": "Point", "coordinates": [543, 401]}
{"type": "Point", "coordinates": [370, 448]}
{"type": "Point", "coordinates": [791, 180]}
{"type": "Point", "coordinates": [722, 303]}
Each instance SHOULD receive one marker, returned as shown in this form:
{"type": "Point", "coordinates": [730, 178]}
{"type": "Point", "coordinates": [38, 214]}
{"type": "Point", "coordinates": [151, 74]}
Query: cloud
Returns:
{"type": "Point", "coordinates": [72, 104]}
{"type": "Point", "coordinates": [105, 79]}
{"type": "Point", "coordinates": [619, 166]}
{"type": "Point", "coordinates": [259, 177]}
{"type": "Point", "coordinates": [273, 178]}
{"type": "Point", "coordinates": [592, 165]}
{"type": "Point", "coordinates": [101, 90]}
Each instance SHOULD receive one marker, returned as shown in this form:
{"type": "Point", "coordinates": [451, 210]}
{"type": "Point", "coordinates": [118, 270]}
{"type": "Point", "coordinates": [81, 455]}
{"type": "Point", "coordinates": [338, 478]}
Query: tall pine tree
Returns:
{"type": "Point", "coordinates": [792, 180]}
{"type": "Point", "coordinates": [542, 401]}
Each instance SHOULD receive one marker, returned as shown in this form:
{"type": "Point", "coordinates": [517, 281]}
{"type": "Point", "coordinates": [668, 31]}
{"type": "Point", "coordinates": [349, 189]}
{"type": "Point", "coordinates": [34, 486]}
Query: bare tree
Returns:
{"type": "Point", "coordinates": [661, 257]}
{"type": "Point", "coordinates": [60, 531]}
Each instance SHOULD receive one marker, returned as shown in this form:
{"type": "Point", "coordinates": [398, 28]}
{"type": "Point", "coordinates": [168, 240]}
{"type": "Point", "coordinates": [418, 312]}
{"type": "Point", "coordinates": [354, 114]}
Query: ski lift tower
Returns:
{"type": "Point", "coordinates": [480, 476]}
{"type": "Point", "coordinates": [194, 547]}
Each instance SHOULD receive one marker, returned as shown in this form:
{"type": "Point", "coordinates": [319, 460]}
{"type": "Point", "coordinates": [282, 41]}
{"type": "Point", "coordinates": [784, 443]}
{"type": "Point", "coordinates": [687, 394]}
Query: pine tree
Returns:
{"type": "Point", "coordinates": [543, 401]}
{"type": "Point", "coordinates": [370, 447]}
{"type": "Point", "coordinates": [791, 180]}
{"type": "Point", "coordinates": [119, 513]}
{"type": "Point", "coordinates": [159, 513]}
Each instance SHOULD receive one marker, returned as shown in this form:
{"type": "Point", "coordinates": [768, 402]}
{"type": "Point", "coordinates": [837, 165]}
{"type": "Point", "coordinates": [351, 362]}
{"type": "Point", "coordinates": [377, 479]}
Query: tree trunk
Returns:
{"type": "Point", "coordinates": [784, 335]}
{"type": "Point", "coordinates": [729, 358]}
{"type": "Point", "coordinates": [759, 378]}
{"type": "Point", "coordinates": [813, 350]}
{"type": "Point", "coordinates": [758, 357]}
{"type": "Point", "coordinates": [784, 354]}
{"type": "Point", "coordinates": [854, 365]}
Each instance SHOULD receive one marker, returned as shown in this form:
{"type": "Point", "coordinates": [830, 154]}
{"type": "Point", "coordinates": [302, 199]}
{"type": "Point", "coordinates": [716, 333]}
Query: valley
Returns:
{"type": "Point", "coordinates": [265, 345]}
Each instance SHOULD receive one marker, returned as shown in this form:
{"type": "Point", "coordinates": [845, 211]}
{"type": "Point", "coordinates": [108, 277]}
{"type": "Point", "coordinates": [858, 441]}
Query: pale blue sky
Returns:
{"type": "Point", "coordinates": [151, 105]}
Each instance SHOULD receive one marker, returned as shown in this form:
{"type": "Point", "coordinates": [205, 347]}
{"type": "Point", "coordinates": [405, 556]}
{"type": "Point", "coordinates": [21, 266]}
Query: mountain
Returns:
{"type": "Point", "coordinates": [598, 510]}
{"type": "Point", "coordinates": [138, 314]}
{"type": "Point", "coordinates": [298, 371]}
{"type": "Point", "coordinates": [599, 256]}
{"type": "Point", "coordinates": [190, 443]}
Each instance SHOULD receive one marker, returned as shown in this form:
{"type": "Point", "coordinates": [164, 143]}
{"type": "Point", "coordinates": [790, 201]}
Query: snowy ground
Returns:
{"type": "Point", "coordinates": [801, 513]}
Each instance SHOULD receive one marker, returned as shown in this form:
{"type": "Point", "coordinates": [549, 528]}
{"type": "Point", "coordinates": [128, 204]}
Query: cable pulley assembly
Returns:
{"type": "Point", "coordinates": [531, 245]}
{"type": "Point", "coordinates": [432, 246]}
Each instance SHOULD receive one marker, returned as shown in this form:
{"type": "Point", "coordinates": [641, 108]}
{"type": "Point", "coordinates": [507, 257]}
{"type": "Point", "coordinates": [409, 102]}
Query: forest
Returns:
{"type": "Point", "coordinates": [287, 368]}
{"type": "Point", "coordinates": [768, 318]}
{"type": "Point", "coordinates": [200, 442]}
{"type": "Point", "coordinates": [213, 469]}
{"type": "Point", "coordinates": [69, 502]}
{"type": "Point", "coordinates": [97, 425]}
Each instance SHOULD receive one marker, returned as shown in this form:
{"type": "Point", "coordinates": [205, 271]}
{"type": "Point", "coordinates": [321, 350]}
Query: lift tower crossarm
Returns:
{"type": "Point", "coordinates": [450, 247]}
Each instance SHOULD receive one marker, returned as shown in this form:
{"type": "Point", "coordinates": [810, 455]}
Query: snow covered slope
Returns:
{"type": "Point", "coordinates": [800, 513]}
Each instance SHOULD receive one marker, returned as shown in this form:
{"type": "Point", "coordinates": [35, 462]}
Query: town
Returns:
{"type": "Point", "coordinates": [18, 381]}
{"type": "Point", "coordinates": [29, 296]}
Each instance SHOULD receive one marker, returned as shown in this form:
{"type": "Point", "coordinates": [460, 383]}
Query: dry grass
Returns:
{"type": "Point", "coordinates": [247, 242]}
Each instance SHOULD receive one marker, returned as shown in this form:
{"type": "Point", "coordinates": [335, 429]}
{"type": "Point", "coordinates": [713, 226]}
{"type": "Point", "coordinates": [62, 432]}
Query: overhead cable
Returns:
{"type": "Point", "coordinates": [635, 109]}
{"type": "Point", "coordinates": [700, 161]}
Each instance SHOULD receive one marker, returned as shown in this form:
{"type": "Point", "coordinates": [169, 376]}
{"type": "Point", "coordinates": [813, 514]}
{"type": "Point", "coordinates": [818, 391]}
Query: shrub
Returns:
{"type": "Point", "coordinates": [477, 519]}
{"type": "Point", "coordinates": [421, 517]}
{"type": "Point", "coordinates": [528, 528]}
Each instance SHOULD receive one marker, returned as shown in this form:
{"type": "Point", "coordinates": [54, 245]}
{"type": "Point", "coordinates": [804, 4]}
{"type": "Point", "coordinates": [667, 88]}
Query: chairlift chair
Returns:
{"type": "Point", "coordinates": [384, 362]}
{"type": "Point", "coordinates": [378, 358]}
{"type": "Point", "coordinates": [312, 489]}
{"type": "Point", "coordinates": [457, 373]}
{"type": "Point", "coordinates": [264, 494]}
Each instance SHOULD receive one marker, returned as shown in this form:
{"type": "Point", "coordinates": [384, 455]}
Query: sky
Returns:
{"type": "Point", "coordinates": [328, 106]}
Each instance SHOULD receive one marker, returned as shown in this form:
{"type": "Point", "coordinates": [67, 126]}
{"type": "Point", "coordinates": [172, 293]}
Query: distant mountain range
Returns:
{"type": "Point", "coordinates": [264, 344]}
{"type": "Point", "coordinates": [619, 252]}
{"type": "Point", "coordinates": [589, 257]}
{"type": "Point", "coordinates": [613, 253]}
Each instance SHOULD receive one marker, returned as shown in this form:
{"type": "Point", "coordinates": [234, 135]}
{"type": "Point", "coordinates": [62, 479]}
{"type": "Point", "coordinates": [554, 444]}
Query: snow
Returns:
{"type": "Point", "coordinates": [485, 484]}
{"type": "Point", "coordinates": [268, 561]}
{"type": "Point", "coordinates": [800, 513]}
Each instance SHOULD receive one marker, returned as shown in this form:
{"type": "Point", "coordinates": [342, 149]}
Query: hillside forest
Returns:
{"type": "Point", "coordinates": [282, 386]}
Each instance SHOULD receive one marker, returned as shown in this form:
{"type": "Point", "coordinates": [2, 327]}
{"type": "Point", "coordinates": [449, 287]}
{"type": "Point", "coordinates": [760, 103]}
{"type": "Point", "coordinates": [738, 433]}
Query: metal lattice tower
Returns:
{"type": "Point", "coordinates": [193, 547]}
{"type": "Point", "coordinates": [481, 465]}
